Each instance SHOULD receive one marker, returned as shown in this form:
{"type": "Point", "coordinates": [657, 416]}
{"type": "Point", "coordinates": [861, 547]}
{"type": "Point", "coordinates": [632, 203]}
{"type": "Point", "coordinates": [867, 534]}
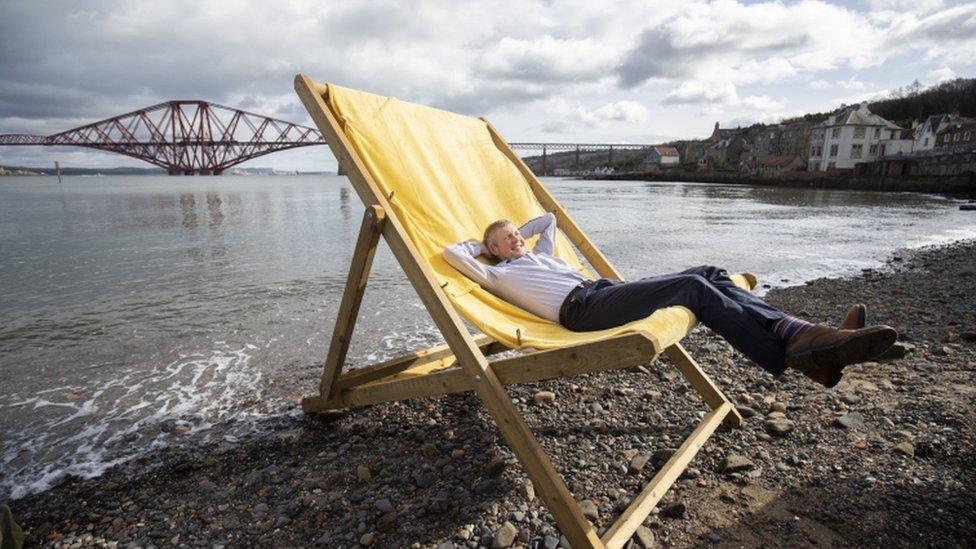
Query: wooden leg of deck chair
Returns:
{"type": "Point", "coordinates": [694, 374]}
{"type": "Point", "coordinates": [625, 526]}
{"type": "Point", "coordinates": [352, 297]}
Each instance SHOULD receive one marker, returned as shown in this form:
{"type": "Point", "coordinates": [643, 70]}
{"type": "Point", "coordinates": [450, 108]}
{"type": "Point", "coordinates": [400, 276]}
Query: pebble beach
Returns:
{"type": "Point", "coordinates": [885, 459]}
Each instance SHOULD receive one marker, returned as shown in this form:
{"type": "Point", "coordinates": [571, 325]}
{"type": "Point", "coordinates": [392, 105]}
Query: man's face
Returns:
{"type": "Point", "coordinates": [507, 243]}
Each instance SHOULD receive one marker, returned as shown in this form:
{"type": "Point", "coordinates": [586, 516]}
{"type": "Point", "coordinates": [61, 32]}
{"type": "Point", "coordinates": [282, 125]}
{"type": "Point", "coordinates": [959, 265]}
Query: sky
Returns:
{"type": "Point", "coordinates": [556, 71]}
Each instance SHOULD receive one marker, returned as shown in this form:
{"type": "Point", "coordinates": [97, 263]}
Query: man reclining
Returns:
{"type": "Point", "coordinates": [545, 285]}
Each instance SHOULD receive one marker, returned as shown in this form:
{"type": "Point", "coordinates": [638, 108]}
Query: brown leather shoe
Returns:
{"type": "Point", "coordinates": [821, 352]}
{"type": "Point", "coordinates": [855, 318]}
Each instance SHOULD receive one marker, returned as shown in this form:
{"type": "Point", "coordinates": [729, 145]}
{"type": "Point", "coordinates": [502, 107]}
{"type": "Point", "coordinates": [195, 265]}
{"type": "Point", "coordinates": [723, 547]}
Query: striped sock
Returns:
{"type": "Point", "coordinates": [789, 326]}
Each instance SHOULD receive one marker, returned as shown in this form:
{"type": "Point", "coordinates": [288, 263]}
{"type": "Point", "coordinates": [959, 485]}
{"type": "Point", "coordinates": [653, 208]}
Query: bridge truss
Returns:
{"type": "Point", "coordinates": [184, 137]}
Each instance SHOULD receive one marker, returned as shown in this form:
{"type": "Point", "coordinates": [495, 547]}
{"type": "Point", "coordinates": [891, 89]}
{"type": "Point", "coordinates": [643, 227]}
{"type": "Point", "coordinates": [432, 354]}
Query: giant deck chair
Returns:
{"type": "Point", "coordinates": [430, 178]}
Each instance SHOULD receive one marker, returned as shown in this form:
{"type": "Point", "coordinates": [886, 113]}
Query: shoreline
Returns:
{"type": "Point", "coordinates": [435, 465]}
{"type": "Point", "coordinates": [960, 187]}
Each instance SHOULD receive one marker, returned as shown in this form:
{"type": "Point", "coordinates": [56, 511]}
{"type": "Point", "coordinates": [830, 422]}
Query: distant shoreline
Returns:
{"type": "Point", "coordinates": [955, 186]}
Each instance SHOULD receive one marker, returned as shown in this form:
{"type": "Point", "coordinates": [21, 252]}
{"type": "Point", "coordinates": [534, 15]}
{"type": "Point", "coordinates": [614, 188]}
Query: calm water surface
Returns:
{"type": "Point", "coordinates": [143, 312]}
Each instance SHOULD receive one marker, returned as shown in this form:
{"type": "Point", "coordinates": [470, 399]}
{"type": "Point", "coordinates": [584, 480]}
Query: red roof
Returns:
{"type": "Point", "coordinates": [666, 151]}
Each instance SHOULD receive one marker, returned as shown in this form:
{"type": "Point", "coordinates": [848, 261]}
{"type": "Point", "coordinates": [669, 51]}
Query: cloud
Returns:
{"type": "Point", "coordinates": [941, 74]}
{"type": "Point", "coordinates": [747, 43]}
{"type": "Point", "coordinates": [851, 83]}
{"type": "Point", "coordinates": [819, 84]}
{"type": "Point", "coordinates": [702, 92]}
{"type": "Point", "coordinates": [618, 112]}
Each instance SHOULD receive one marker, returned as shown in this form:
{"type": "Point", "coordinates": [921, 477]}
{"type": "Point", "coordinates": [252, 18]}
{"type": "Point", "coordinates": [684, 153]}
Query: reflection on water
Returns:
{"type": "Point", "coordinates": [130, 304]}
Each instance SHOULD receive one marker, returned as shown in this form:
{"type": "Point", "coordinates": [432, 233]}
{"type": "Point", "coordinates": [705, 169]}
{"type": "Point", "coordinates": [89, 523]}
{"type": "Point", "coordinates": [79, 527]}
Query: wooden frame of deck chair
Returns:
{"type": "Point", "coordinates": [462, 365]}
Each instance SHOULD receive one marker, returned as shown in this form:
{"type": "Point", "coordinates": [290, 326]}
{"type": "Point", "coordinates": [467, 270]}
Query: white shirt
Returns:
{"type": "Point", "coordinates": [537, 282]}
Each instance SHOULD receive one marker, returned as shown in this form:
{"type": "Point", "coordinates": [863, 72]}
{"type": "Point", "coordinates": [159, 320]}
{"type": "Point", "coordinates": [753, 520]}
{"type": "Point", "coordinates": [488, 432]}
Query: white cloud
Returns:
{"type": "Point", "coordinates": [762, 103]}
{"type": "Point", "coordinates": [703, 92]}
{"type": "Point", "coordinates": [851, 83]}
{"type": "Point", "coordinates": [941, 74]}
{"type": "Point", "coordinates": [819, 84]}
{"type": "Point", "coordinates": [623, 112]}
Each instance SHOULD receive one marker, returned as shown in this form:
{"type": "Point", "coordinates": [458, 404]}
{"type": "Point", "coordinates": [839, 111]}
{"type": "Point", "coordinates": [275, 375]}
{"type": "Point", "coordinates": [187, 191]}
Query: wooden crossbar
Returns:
{"type": "Point", "coordinates": [614, 353]}
{"type": "Point", "coordinates": [462, 363]}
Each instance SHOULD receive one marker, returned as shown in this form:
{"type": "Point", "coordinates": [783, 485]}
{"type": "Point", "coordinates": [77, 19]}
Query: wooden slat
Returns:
{"type": "Point", "coordinates": [634, 515]}
{"type": "Point", "coordinates": [712, 395]}
{"type": "Point", "coordinates": [614, 353]}
{"type": "Point", "coordinates": [549, 202]}
{"type": "Point", "coordinates": [399, 364]}
{"type": "Point", "coordinates": [362, 260]}
{"type": "Point", "coordinates": [549, 484]}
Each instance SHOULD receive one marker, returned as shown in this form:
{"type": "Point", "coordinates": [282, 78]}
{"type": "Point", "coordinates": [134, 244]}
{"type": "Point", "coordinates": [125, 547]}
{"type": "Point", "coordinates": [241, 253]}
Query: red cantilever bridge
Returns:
{"type": "Point", "coordinates": [184, 137]}
{"type": "Point", "coordinates": [199, 137]}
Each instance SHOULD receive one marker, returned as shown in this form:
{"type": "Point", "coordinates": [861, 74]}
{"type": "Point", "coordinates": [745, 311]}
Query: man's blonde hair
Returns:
{"type": "Point", "coordinates": [494, 226]}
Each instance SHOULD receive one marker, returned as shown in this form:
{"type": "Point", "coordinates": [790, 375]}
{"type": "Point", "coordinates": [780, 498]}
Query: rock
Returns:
{"type": "Point", "coordinates": [851, 420]}
{"type": "Point", "coordinates": [778, 407]}
{"type": "Point", "coordinates": [905, 448]}
{"type": "Point", "coordinates": [367, 539]}
{"type": "Point", "coordinates": [596, 408]}
{"type": "Point", "coordinates": [446, 545]}
{"type": "Point", "coordinates": [504, 536]}
{"type": "Point", "coordinates": [941, 350]}
{"type": "Point", "coordinates": [691, 473]}
{"type": "Point", "coordinates": [736, 462]}
{"type": "Point", "coordinates": [745, 411]}
{"type": "Point", "coordinates": [713, 537]}
{"type": "Point", "coordinates": [425, 479]}
{"type": "Point", "coordinates": [364, 474]}
{"type": "Point", "coordinates": [676, 510]}
{"type": "Point", "coordinates": [779, 427]}
{"type": "Point", "coordinates": [387, 522]}
{"type": "Point", "coordinates": [550, 542]}
{"type": "Point", "coordinates": [260, 510]}
{"type": "Point", "coordinates": [637, 464]}
{"type": "Point", "coordinates": [968, 336]}
{"type": "Point", "coordinates": [895, 352]}
{"type": "Point", "coordinates": [589, 510]}
{"type": "Point", "coordinates": [645, 537]}
{"type": "Point", "coordinates": [383, 505]}
{"type": "Point", "coordinates": [849, 398]}
{"type": "Point", "coordinates": [497, 466]}
{"type": "Point", "coordinates": [544, 398]}
{"type": "Point", "coordinates": [775, 415]}
{"type": "Point", "coordinates": [527, 490]}
{"type": "Point", "coordinates": [429, 450]}
{"type": "Point", "coordinates": [660, 456]}
{"type": "Point", "coordinates": [630, 453]}
{"type": "Point", "coordinates": [11, 535]}
{"type": "Point", "coordinates": [325, 540]}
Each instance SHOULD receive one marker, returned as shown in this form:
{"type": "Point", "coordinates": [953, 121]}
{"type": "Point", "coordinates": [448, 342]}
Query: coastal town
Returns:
{"type": "Point", "coordinates": [851, 141]}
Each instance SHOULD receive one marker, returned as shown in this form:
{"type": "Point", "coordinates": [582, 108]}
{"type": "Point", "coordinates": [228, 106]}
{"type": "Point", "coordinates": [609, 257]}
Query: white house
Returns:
{"type": "Point", "coordinates": [926, 133]}
{"type": "Point", "coordinates": [662, 155]}
{"type": "Point", "coordinates": [849, 137]}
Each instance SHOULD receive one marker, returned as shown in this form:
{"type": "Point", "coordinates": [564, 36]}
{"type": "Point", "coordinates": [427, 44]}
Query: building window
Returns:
{"type": "Point", "coordinates": [833, 150]}
{"type": "Point", "coordinates": [965, 136]}
{"type": "Point", "coordinates": [856, 150]}
{"type": "Point", "coordinates": [859, 132]}
{"type": "Point", "coordinates": [831, 165]}
{"type": "Point", "coordinates": [955, 137]}
{"type": "Point", "coordinates": [926, 144]}
{"type": "Point", "coordinates": [873, 150]}
{"type": "Point", "coordinates": [882, 150]}
{"type": "Point", "coordinates": [835, 133]}
{"type": "Point", "coordinates": [877, 133]}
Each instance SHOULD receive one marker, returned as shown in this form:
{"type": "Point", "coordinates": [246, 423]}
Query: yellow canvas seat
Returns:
{"type": "Point", "coordinates": [430, 178]}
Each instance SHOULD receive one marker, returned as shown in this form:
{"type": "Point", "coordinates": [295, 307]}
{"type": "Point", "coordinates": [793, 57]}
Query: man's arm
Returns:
{"type": "Point", "coordinates": [545, 227]}
{"type": "Point", "coordinates": [462, 256]}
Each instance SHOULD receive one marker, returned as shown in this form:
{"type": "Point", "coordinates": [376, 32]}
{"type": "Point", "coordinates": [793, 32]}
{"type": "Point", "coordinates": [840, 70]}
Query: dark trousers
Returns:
{"type": "Point", "coordinates": [741, 318]}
